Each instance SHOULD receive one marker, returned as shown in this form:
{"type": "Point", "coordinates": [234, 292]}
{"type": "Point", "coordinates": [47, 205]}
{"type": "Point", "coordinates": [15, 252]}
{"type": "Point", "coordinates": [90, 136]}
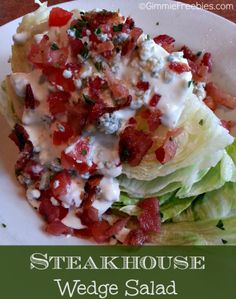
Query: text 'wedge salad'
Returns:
{"type": "Point", "coordinates": [118, 140]}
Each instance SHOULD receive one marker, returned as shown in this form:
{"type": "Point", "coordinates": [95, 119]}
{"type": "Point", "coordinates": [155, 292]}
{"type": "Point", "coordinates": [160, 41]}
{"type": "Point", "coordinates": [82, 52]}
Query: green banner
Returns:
{"type": "Point", "coordinates": [39, 272]}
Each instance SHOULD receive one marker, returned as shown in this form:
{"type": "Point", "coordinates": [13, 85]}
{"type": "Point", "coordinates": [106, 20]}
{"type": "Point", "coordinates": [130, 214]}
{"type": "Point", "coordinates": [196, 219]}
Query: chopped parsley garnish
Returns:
{"type": "Point", "coordinates": [224, 241]}
{"type": "Point", "coordinates": [84, 51]}
{"type": "Point", "coordinates": [201, 122]}
{"type": "Point", "coordinates": [4, 225]}
{"type": "Point", "coordinates": [98, 66]}
{"type": "Point", "coordinates": [98, 31]}
{"type": "Point", "coordinates": [148, 37]}
{"type": "Point", "coordinates": [220, 225]}
{"type": "Point", "coordinates": [118, 28]}
{"type": "Point", "coordinates": [84, 152]}
{"type": "Point", "coordinates": [199, 53]}
{"type": "Point", "coordinates": [78, 33]}
{"type": "Point", "coordinates": [189, 83]}
{"type": "Point", "coordinates": [54, 47]}
{"type": "Point", "coordinates": [88, 100]}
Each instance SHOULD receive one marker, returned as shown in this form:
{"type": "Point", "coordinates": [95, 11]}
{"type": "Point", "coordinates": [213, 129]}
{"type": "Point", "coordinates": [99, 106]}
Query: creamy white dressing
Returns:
{"type": "Point", "coordinates": [104, 150]}
{"type": "Point", "coordinates": [73, 195]}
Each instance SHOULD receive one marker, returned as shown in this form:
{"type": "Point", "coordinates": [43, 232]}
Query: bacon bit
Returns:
{"type": "Point", "coordinates": [60, 137]}
{"type": "Point", "coordinates": [179, 67]}
{"type": "Point", "coordinates": [117, 227]}
{"type": "Point", "coordinates": [82, 233]}
{"type": "Point", "coordinates": [167, 151]}
{"type": "Point", "coordinates": [163, 39]}
{"type": "Point", "coordinates": [188, 54]}
{"type": "Point", "coordinates": [149, 219]}
{"type": "Point", "coordinates": [30, 101]}
{"type": "Point", "coordinates": [96, 19]}
{"type": "Point", "coordinates": [130, 44]}
{"type": "Point", "coordinates": [105, 46]}
{"type": "Point", "coordinates": [60, 184]}
{"type": "Point", "coordinates": [118, 89]}
{"type": "Point", "coordinates": [57, 102]}
{"type": "Point", "coordinates": [57, 228]}
{"type": "Point", "coordinates": [24, 156]}
{"type": "Point", "coordinates": [207, 61]}
{"type": "Point", "coordinates": [76, 46]}
{"type": "Point", "coordinates": [134, 145]}
{"type": "Point", "coordinates": [19, 136]}
{"type": "Point", "coordinates": [55, 76]}
{"type": "Point", "coordinates": [91, 188]}
{"type": "Point", "coordinates": [77, 117]}
{"type": "Point", "coordinates": [154, 100]}
{"type": "Point", "coordinates": [129, 24]}
{"type": "Point", "coordinates": [132, 121]}
{"type": "Point", "coordinates": [96, 84]}
{"type": "Point", "coordinates": [219, 96]}
{"type": "Point", "coordinates": [154, 120]}
{"type": "Point", "coordinates": [143, 85]}
{"type": "Point", "coordinates": [50, 212]}
{"type": "Point", "coordinates": [210, 103]}
{"type": "Point", "coordinates": [88, 216]}
{"type": "Point", "coordinates": [136, 237]}
{"type": "Point", "coordinates": [99, 229]}
{"type": "Point", "coordinates": [228, 124]}
{"type": "Point", "coordinates": [33, 169]}
{"type": "Point", "coordinates": [199, 71]}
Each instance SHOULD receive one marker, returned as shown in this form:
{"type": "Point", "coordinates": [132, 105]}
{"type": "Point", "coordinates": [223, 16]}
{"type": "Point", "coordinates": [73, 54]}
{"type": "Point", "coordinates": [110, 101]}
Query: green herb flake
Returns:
{"type": "Point", "coordinates": [224, 241]}
{"type": "Point", "coordinates": [54, 46]}
{"type": "Point", "coordinates": [220, 225]}
{"type": "Point", "coordinates": [4, 225]}
{"type": "Point", "coordinates": [98, 66]}
{"type": "Point", "coordinates": [118, 28]}
{"type": "Point", "coordinates": [98, 31]}
{"type": "Point", "coordinates": [88, 100]}
{"type": "Point", "coordinates": [201, 122]}
{"type": "Point", "coordinates": [84, 152]}
{"type": "Point", "coordinates": [148, 37]}
{"type": "Point", "coordinates": [189, 83]}
{"type": "Point", "coordinates": [84, 51]}
{"type": "Point", "coordinates": [199, 53]}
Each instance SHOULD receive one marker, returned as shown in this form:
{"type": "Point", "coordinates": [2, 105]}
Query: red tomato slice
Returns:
{"type": "Point", "coordinates": [57, 102]}
{"type": "Point", "coordinates": [59, 17]}
{"type": "Point", "coordinates": [62, 135]}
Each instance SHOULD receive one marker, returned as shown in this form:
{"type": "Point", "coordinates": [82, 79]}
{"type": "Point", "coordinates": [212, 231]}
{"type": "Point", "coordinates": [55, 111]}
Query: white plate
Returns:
{"type": "Point", "coordinates": [199, 29]}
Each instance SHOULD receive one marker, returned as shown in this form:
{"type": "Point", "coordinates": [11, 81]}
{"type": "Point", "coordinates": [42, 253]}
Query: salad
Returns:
{"type": "Point", "coordinates": [117, 133]}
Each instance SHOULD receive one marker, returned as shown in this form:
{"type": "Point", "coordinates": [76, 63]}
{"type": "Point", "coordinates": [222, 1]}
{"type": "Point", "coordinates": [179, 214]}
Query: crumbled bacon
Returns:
{"type": "Point", "coordinates": [129, 45]}
{"type": "Point", "coordinates": [165, 41]}
{"type": "Point", "coordinates": [134, 145]}
{"type": "Point", "coordinates": [19, 136]}
{"type": "Point", "coordinates": [30, 101]}
{"type": "Point", "coordinates": [136, 237]}
{"type": "Point", "coordinates": [166, 152]}
{"type": "Point", "coordinates": [154, 100]}
{"type": "Point", "coordinates": [207, 61]}
{"type": "Point", "coordinates": [228, 124]}
{"type": "Point", "coordinates": [179, 67]}
{"type": "Point", "coordinates": [149, 218]}
{"type": "Point", "coordinates": [142, 85]}
{"type": "Point", "coordinates": [219, 96]}
{"type": "Point", "coordinates": [50, 212]}
{"type": "Point", "coordinates": [104, 47]}
{"type": "Point", "coordinates": [188, 54]}
{"type": "Point", "coordinates": [210, 103]}
{"type": "Point", "coordinates": [199, 71]}
{"type": "Point", "coordinates": [57, 228]}
{"type": "Point", "coordinates": [24, 156]}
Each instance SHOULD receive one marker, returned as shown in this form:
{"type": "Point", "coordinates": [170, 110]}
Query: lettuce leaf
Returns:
{"type": "Point", "coordinates": [200, 146]}
{"type": "Point", "coordinates": [198, 233]}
